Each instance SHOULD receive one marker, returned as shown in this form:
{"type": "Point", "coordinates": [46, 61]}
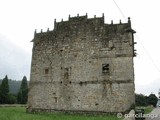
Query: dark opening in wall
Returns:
{"type": "Point", "coordinates": [96, 104]}
{"type": "Point", "coordinates": [80, 83]}
{"type": "Point", "coordinates": [55, 98]}
{"type": "Point", "coordinates": [66, 74]}
{"type": "Point", "coordinates": [69, 98]}
{"type": "Point", "coordinates": [46, 71]}
{"type": "Point", "coordinates": [105, 68]}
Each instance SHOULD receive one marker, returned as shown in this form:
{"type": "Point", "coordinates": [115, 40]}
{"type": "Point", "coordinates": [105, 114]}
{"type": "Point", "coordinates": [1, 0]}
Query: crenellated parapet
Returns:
{"type": "Point", "coordinates": [79, 24]}
{"type": "Point", "coordinates": [76, 20]}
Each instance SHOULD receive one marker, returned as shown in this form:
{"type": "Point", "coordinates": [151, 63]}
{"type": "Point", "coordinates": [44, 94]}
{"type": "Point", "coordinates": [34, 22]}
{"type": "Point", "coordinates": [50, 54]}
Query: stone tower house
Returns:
{"type": "Point", "coordinates": [83, 65]}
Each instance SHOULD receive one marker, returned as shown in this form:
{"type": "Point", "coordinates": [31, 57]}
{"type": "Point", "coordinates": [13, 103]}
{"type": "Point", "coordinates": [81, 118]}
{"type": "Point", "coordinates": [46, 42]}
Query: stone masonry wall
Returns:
{"type": "Point", "coordinates": [83, 65]}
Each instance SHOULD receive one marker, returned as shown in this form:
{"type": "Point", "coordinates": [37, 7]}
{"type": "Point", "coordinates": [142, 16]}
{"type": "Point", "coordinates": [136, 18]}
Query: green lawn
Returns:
{"type": "Point", "coordinates": [19, 113]}
{"type": "Point", "coordinates": [147, 109]}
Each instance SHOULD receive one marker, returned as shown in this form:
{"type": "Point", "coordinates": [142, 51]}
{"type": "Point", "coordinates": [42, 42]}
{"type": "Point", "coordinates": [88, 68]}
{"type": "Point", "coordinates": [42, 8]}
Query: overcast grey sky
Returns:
{"type": "Point", "coordinates": [19, 19]}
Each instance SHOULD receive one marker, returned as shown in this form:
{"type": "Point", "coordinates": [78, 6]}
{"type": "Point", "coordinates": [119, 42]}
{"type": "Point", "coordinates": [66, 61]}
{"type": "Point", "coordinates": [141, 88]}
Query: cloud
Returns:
{"type": "Point", "coordinates": [152, 87]}
{"type": "Point", "coordinates": [14, 61]}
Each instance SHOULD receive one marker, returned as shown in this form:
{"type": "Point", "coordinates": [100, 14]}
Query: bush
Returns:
{"type": "Point", "coordinates": [12, 99]}
{"type": "Point", "coordinates": [142, 100]}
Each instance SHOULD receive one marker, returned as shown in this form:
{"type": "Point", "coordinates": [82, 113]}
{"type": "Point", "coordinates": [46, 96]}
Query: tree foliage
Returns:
{"type": "Point", "coordinates": [8, 91]}
{"type": "Point", "coordinates": [14, 85]}
{"type": "Point", "coordinates": [142, 100]}
{"type": "Point", "coordinates": [12, 99]}
{"type": "Point", "coordinates": [152, 99]}
{"type": "Point", "coordinates": [23, 92]}
{"type": "Point", "coordinates": [4, 91]}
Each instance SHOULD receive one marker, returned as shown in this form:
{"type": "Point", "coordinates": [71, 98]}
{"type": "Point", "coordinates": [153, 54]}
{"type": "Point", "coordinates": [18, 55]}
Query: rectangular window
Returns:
{"type": "Point", "coordinates": [105, 68]}
{"type": "Point", "coordinates": [55, 99]}
{"type": "Point", "coordinates": [46, 71]}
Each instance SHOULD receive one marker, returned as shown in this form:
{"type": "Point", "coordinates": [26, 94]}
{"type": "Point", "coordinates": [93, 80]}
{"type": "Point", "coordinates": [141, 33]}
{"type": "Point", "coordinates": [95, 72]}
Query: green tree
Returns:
{"type": "Point", "coordinates": [12, 99]}
{"type": "Point", "coordinates": [4, 91]}
{"type": "Point", "coordinates": [141, 100]}
{"type": "Point", "coordinates": [152, 99]}
{"type": "Point", "coordinates": [0, 95]}
{"type": "Point", "coordinates": [23, 92]}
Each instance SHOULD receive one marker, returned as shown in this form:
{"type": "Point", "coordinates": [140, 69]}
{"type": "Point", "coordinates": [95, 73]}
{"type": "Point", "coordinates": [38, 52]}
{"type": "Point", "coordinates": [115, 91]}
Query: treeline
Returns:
{"type": "Point", "coordinates": [14, 85]}
{"type": "Point", "coordinates": [143, 100]}
{"type": "Point", "coordinates": [17, 95]}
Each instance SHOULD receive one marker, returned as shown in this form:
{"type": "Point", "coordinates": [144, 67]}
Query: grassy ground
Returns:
{"type": "Point", "coordinates": [19, 113]}
{"type": "Point", "coordinates": [147, 109]}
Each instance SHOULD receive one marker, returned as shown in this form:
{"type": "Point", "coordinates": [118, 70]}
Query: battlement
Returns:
{"type": "Point", "coordinates": [78, 18]}
{"type": "Point", "coordinates": [76, 21]}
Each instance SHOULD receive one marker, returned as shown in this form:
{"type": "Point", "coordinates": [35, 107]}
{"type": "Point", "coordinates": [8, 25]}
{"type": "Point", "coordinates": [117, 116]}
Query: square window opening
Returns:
{"type": "Point", "coordinates": [105, 68]}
